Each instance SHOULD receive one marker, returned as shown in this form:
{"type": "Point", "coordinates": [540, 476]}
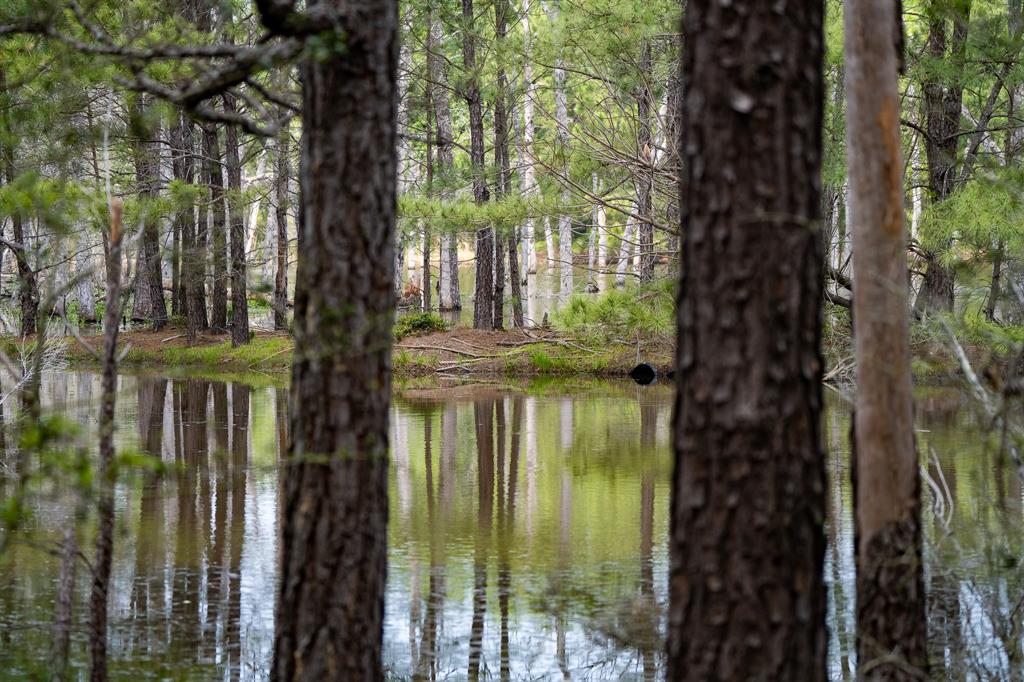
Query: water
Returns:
{"type": "Point", "coordinates": [547, 546]}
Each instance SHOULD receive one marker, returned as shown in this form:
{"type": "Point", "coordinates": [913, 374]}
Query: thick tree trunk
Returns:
{"type": "Point", "coordinates": [942, 122]}
{"type": "Point", "coordinates": [330, 607]}
{"type": "Point", "coordinates": [891, 626]}
{"type": "Point", "coordinates": [217, 238]}
{"type": "Point", "coordinates": [747, 596]}
{"type": "Point", "coordinates": [281, 176]}
{"type": "Point", "coordinates": [236, 220]}
{"type": "Point", "coordinates": [149, 288]}
{"type": "Point", "coordinates": [483, 298]}
{"type": "Point", "coordinates": [501, 162]}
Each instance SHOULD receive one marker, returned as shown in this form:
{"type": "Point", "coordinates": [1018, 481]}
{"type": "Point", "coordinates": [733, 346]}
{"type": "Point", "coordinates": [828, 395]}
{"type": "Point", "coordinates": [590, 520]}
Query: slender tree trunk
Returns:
{"type": "Point", "coordinates": [282, 173]}
{"type": "Point", "coordinates": [995, 290]}
{"type": "Point", "coordinates": [217, 238]}
{"type": "Point", "coordinates": [182, 164]}
{"type": "Point", "coordinates": [747, 598]}
{"type": "Point", "coordinates": [645, 182]}
{"type": "Point", "coordinates": [449, 297]}
{"type": "Point", "coordinates": [942, 122]}
{"type": "Point", "coordinates": [553, 10]}
{"type": "Point", "coordinates": [625, 249]}
{"type": "Point", "coordinates": [483, 299]}
{"type": "Point", "coordinates": [28, 291]}
{"type": "Point", "coordinates": [330, 607]}
{"type": "Point", "coordinates": [891, 625]}
{"type": "Point", "coordinates": [529, 176]}
{"type": "Point", "coordinates": [105, 475]}
{"type": "Point", "coordinates": [236, 213]}
{"type": "Point", "coordinates": [149, 290]}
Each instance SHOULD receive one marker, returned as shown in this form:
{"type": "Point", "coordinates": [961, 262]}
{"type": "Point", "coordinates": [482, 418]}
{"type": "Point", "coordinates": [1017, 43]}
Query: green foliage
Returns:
{"type": "Point", "coordinates": [621, 313]}
{"type": "Point", "coordinates": [418, 324]}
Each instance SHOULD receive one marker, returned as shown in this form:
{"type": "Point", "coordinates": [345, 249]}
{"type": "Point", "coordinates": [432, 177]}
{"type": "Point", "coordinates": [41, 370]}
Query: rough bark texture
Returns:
{"type": "Point", "coordinates": [281, 218]}
{"type": "Point", "coordinates": [747, 598]}
{"type": "Point", "coordinates": [330, 607]}
{"type": "Point", "coordinates": [483, 298]}
{"type": "Point", "coordinates": [503, 165]}
{"type": "Point", "coordinates": [149, 289]}
{"type": "Point", "coordinates": [236, 221]}
{"type": "Point", "coordinates": [217, 238]}
{"type": "Point", "coordinates": [891, 626]}
{"type": "Point", "coordinates": [183, 164]}
{"type": "Point", "coordinates": [942, 122]}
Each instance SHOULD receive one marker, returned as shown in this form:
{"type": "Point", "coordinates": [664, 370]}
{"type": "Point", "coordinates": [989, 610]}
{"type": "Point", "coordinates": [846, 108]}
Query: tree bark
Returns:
{"type": "Point", "coordinates": [891, 625]}
{"type": "Point", "coordinates": [645, 152]}
{"type": "Point", "coordinates": [236, 220]}
{"type": "Point", "coordinates": [747, 598]}
{"type": "Point", "coordinates": [217, 239]}
{"type": "Point", "coordinates": [149, 289]}
{"type": "Point", "coordinates": [193, 305]}
{"type": "Point", "coordinates": [28, 290]}
{"type": "Point", "coordinates": [553, 10]}
{"type": "Point", "coordinates": [282, 174]}
{"type": "Point", "coordinates": [483, 299]}
{"type": "Point", "coordinates": [449, 296]}
{"type": "Point", "coordinates": [330, 607]}
{"type": "Point", "coordinates": [942, 122]}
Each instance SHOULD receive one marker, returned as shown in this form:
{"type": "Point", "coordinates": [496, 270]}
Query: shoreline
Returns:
{"type": "Point", "coordinates": [459, 352]}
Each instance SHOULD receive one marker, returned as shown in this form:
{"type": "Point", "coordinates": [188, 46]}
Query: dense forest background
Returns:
{"type": "Point", "coordinates": [686, 180]}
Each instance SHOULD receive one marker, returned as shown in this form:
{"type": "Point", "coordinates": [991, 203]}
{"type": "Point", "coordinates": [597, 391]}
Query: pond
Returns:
{"type": "Point", "coordinates": [527, 537]}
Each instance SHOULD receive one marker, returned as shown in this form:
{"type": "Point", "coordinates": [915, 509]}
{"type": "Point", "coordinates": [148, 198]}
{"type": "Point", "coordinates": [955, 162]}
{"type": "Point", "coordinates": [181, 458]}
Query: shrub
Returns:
{"type": "Point", "coordinates": [646, 310]}
{"type": "Point", "coordinates": [418, 324]}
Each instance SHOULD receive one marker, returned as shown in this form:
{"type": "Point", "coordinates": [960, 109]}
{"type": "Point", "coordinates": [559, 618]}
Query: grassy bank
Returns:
{"type": "Point", "coordinates": [450, 352]}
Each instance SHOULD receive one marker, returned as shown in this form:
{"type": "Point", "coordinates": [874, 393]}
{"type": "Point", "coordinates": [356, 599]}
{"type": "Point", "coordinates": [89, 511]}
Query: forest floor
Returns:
{"type": "Point", "coordinates": [459, 351]}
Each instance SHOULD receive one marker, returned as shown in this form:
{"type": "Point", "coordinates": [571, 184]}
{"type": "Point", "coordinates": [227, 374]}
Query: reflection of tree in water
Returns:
{"type": "Point", "coordinates": [483, 411]}
{"type": "Point", "coordinates": [148, 587]}
{"type": "Point", "coordinates": [239, 467]}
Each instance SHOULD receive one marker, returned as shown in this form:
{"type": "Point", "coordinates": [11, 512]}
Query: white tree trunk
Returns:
{"type": "Point", "coordinates": [625, 249]}
{"type": "Point", "coordinates": [602, 237]}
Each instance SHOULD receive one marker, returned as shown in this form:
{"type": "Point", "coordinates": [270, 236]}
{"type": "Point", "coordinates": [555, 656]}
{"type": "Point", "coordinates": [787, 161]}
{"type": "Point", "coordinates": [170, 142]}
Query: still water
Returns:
{"type": "Point", "coordinates": [527, 537]}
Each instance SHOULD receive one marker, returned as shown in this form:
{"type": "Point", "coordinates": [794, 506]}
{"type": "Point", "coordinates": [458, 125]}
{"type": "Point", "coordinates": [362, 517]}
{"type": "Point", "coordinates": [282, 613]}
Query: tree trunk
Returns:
{"type": "Point", "coordinates": [149, 288]}
{"type": "Point", "coordinates": [890, 588]}
{"type": "Point", "coordinates": [102, 561]}
{"type": "Point", "coordinates": [645, 152]}
{"type": "Point", "coordinates": [625, 249]}
{"type": "Point", "coordinates": [236, 213]}
{"type": "Point", "coordinates": [942, 122]}
{"type": "Point", "coordinates": [529, 176]}
{"type": "Point", "coordinates": [501, 162]}
{"type": "Point", "coordinates": [747, 598]}
{"type": "Point", "coordinates": [449, 297]}
{"type": "Point", "coordinates": [281, 176]}
{"type": "Point", "coordinates": [28, 291]}
{"type": "Point", "coordinates": [193, 305]}
{"type": "Point", "coordinates": [330, 607]}
{"type": "Point", "coordinates": [217, 238]}
{"type": "Point", "coordinates": [553, 10]}
{"type": "Point", "coordinates": [483, 299]}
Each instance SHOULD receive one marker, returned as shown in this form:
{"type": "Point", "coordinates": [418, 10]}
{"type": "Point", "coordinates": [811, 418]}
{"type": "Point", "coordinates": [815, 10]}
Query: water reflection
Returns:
{"type": "Point", "coordinates": [527, 535]}
{"type": "Point", "coordinates": [517, 518]}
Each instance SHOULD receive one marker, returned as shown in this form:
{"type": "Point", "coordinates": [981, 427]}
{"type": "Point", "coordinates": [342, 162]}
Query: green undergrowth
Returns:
{"type": "Point", "coordinates": [418, 324]}
{"type": "Point", "coordinates": [644, 311]}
